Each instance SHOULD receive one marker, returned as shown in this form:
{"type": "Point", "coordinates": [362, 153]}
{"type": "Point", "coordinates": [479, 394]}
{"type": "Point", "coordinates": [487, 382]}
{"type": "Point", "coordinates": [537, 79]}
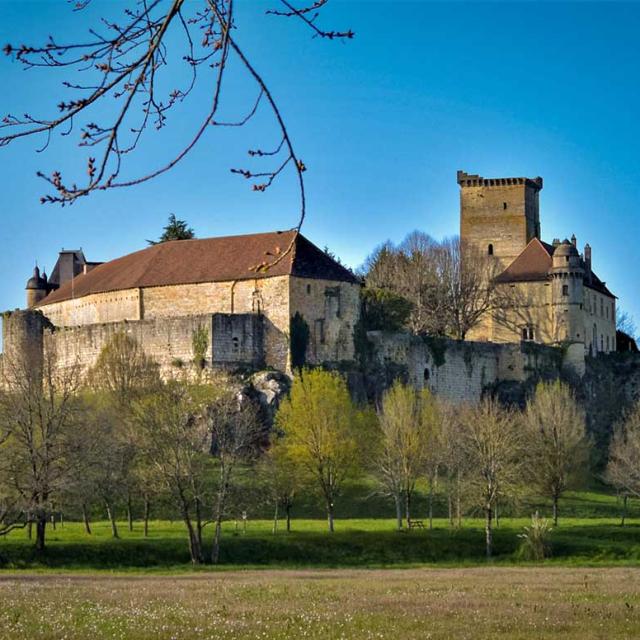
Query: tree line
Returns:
{"type": "Point", "coordinates": [125, 437]}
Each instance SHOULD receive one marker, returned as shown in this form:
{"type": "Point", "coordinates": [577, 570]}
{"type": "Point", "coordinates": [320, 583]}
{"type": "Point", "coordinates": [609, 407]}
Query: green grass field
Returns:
{"type": "Point", "coordinates": [366, 580]}
{"type": "Point", "coordinates": [589, 534]}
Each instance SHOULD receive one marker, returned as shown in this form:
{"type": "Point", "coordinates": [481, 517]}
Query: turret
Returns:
{"type": "Point", "coordinates": [567, 294]}
{"type": "Point", "coordinates": [36, 288]}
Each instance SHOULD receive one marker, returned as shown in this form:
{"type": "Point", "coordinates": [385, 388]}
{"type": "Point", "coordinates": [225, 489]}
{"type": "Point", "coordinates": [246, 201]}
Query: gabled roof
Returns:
{"type": "Point", "coordinates": [206, 260]}
{"type": "Point", "coordinates": [534, 265]}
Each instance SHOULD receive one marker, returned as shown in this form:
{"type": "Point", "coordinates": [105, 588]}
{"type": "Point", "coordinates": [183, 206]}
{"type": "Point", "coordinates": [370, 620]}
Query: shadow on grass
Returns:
{"type": "Point", "coordinates": [574, 543]}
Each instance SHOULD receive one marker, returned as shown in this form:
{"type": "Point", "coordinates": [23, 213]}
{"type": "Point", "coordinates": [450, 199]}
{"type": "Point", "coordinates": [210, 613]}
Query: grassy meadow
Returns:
{"type": "Point", "coordinates": [589, 533]}
{"type": "Point", "coordinates": [478, 603]}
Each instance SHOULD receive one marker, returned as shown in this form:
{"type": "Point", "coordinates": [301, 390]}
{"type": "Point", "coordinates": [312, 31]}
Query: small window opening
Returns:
{"type": "Point", "coordinates": [565, 289]}
{"type": "Point", "coordinates": [528, 334]}
{"type": "Point", "coordinates": [504, 205]}
{"type": "Point", "coordinates": [308, 289]}
{"type": "Point", "coordinates": [427, 375]}
{"type": "Point", "coordinates": [490, 250]}
{"type": "Point", "coordinates": [235, 344]}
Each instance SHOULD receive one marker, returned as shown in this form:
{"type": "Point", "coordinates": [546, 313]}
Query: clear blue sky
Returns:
{"type": "Point", "coordinates": [383, 122]}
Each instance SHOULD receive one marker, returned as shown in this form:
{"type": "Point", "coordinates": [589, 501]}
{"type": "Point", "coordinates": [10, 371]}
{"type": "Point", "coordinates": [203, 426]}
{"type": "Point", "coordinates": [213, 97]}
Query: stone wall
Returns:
{"type": "Point", "coordinates": [232, 340]}
{"type": "Point", "coordinates": [331, 309]}
{"type": "Point", "coordinates": [463, 371]}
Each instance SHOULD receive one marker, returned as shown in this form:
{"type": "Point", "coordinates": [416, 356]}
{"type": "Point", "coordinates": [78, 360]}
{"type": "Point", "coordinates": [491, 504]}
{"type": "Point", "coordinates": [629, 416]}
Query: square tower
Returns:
{"type": "Point", "coordinates": [499, 216]}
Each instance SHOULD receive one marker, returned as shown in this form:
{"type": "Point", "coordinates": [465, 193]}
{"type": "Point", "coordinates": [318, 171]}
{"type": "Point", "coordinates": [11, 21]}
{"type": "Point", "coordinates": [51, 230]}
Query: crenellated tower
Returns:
{"type": "Point", "coordinates": [499, 216]}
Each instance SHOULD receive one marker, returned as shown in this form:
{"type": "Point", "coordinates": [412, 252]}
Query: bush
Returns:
{"type": "Point", "coordinates": [535, 544]}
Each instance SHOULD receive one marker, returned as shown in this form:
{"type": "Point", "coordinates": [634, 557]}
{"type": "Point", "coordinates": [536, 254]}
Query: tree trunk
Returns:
{"type": "Point", "coordinates": [112, 520]}
{"type": "Point", "coordinates": [147, 514]}
{"type": "Point", "coordinates": [225, 476]}
{"type": "Point", "coordinates": [129, 512]}
{"type": "Point", "coordinates": [450, 507]}
{"type": "Point", "coordinates": [458, 501]}
{"type": "Point", "coordinates": [41, 528]}
{"type": "Point", "coordinates": [431, 504]}
{"type": "Point", "coordinates": [555, 510]}
{"type": "Point", "coordinates": [407, 507]}
{"type": "Point", "coordinates": [288, 510]}
{"type": "Point", "coordinates": [330, 515]}
{"type": "Point", "coordinates": [195, 547]}
{"type": "Point", "coordinates": [488, 532]}
{"type": "Point", "coordinates": [30, 530]}
{"type": "Point", "coordinates": [398, 500]}
{"type": "Point", "coordinates": [624, 510]}
{"type": "Point", "coordinates": [275, 519]}
{"type": "Point", "coordinates": [497, 516]}
{"type": "Point", "coordinates": [85, 519]}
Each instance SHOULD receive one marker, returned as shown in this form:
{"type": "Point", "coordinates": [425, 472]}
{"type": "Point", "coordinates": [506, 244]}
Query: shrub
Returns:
{"type": "Point", "coordinates": [535, 543]}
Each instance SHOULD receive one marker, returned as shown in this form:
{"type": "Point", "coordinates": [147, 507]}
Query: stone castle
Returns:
{"type": "Point", "coordinates": [259, 297]}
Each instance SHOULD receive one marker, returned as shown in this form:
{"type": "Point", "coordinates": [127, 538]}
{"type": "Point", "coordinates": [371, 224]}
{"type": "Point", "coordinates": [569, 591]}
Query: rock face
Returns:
{"type": "Point", "coordinates": [267, 388]}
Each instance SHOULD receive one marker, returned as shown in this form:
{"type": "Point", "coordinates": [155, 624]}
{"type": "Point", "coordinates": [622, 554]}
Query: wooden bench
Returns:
{"type": "Point", "coordinates": [415, 524]}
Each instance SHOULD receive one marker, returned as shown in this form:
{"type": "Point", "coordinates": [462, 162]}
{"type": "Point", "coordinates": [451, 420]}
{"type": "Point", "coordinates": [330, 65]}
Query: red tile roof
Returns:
{"type": "Point", "coordinates": [534, 264]}
{"type": "Point", "coordinates": [206, 260]}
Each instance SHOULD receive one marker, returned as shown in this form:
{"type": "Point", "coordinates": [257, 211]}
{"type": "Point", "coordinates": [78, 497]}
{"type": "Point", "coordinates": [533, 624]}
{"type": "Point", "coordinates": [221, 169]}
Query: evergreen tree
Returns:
{"type": "Point", "coordinates": [175, 230]}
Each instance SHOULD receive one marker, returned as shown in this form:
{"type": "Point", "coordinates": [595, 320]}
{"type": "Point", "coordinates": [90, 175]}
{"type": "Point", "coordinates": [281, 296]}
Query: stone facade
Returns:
{"type": "Point", "coordinates": [548, 293]}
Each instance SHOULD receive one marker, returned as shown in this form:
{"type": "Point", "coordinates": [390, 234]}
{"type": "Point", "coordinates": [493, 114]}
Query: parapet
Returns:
{"type": "Point", "coordinates": [474, 180]}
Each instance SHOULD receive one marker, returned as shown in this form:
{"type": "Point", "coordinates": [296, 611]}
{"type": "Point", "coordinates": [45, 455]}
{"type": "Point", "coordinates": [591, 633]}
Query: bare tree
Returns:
{"type": "Point", "coordinates": [39, 415]}
{"type": "Point", "coordinates": [125, 66]}
{"type": "Point", "coordinates": [450, 286]}
{"type": "Point", "coordinates": [236, 436]}
{"type": "Point", "coordinates": [453, 460]}
{"type": "Point", "coordinates": [493, 445]}
{"type": "Point", "coordinates": [406, 444]}
{"type": "Point", "coordinates": [556, 440]}
{"type": "Point", "coordinates": [174, 438]}
{"type": "Point", "coordinates": [623, 468]}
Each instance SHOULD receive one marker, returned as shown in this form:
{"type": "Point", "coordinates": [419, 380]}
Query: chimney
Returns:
{"type": "Point", "coordinates": [574, 241]}
{"type": "Point", "coordinates": [587, 259]}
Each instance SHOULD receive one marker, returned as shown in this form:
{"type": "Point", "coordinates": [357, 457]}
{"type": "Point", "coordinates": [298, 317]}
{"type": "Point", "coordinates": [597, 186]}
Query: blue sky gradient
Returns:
{"type": "Point", "coordinates": [382, 122]}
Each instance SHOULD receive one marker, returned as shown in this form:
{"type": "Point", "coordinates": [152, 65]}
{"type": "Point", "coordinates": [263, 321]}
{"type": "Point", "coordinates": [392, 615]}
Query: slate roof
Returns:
{"type": "Point", "coordinates": [206, 260]}
{"type": "Point", "coordinates": [534, 264]}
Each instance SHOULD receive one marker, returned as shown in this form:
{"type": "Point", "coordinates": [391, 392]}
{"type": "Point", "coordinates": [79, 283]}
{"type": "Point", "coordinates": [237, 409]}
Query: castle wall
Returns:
{"type": "Point", "coordinates": [232, 341]}
{"type": "Point", "coordinates": [266, 296]}
{"type": "Point", "coordinates": [332, 310]}
{"type": "Point", "coordinates": [113, 306]}
{"type": "Point", "coordinates": [599, 319]}
{"type": "Point", "coordinates": [463, 371]}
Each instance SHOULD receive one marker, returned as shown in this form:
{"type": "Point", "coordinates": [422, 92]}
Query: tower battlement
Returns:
{"type": "Point", "coordinates": [474, 180]}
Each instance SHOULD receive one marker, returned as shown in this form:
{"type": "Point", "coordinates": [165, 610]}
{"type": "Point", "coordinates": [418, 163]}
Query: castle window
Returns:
{"type": "Point", "coordinates": [565, 289]}
{"type": "Point", "coordinates": [490, 250]}
{"type": "Point", "coordinates": [504, 205]}
{"type": "Point", "coordinates": [427, 374]}
{"type": "Point", "coordinates": [601, 342]}
{"type": "Point", "coordinates": [607, 312]}
{"type": "Point", "coordinates": [319, 331]}
{"type": "Point", "coordinates": [308, 289]}
{"type": "Point", "coordinates": [235, 344]}
{"type": "Point", "coordinates": [601, 307]}
{"type": "Point", "coordinates": [528, 333]}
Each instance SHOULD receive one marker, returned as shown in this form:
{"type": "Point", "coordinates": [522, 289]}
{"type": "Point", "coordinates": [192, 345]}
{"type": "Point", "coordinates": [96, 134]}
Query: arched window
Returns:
{"type": "Point", "coordinates": [235, 343]}
{"type": "Point", "coordinates": [490, 250]}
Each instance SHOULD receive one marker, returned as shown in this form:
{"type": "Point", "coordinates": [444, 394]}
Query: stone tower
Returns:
{"type": "Point", "coordinates": [499, 216]}
{"type": "Point", "coordinates": [567, 294]}
{"type": "Point", "coordinates": [36, 288]}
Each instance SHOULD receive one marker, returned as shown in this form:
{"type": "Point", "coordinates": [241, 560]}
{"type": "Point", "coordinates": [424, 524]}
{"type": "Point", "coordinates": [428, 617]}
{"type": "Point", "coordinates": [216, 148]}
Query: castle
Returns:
{"type": "Point", "coordinates": [552, 295]}
{"type": "Point", "coordinates": [260, 297]}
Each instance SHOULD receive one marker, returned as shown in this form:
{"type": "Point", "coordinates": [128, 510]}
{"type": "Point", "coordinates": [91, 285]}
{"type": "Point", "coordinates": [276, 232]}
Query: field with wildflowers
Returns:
{"type": "Point", "coordinates": [478, 603]}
